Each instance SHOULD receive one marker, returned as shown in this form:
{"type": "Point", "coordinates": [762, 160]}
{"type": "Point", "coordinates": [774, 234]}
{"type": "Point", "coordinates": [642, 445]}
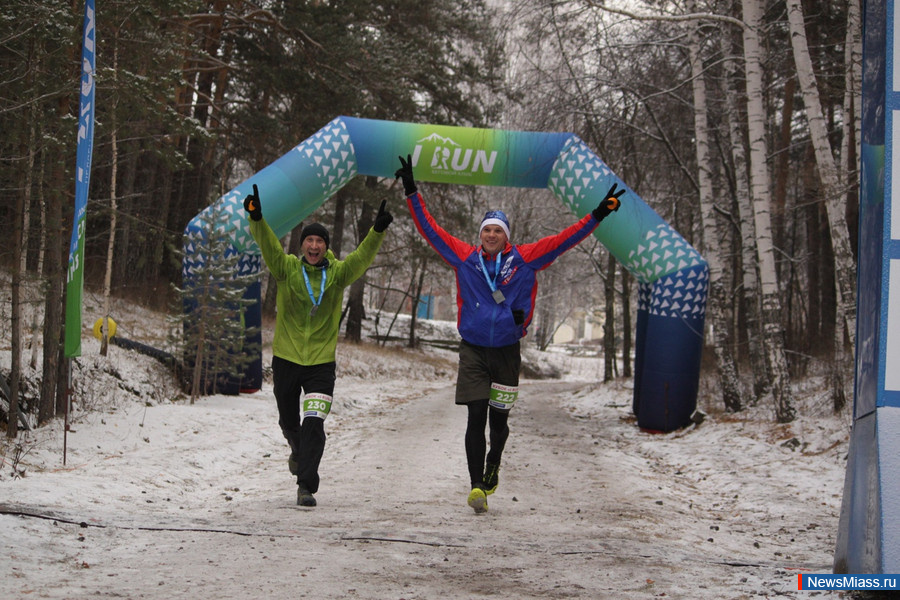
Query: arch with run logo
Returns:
{"type": "Point", "coordinates": [672, 275]}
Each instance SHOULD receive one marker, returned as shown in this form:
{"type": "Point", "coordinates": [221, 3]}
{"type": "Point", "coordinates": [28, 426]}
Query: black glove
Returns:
{"type": "Point", "coordinates": [382, 219]}
{"type": "Point", "coordinates": [405, 173]}
{"type": "Point", "coordinates": [518, 316]}
{"type": "Point", "coordinates": [252, 205]}
{"type": "Point", "coordinates": [609, 203]}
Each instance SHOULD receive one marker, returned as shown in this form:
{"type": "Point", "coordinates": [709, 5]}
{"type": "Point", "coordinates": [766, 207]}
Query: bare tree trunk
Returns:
{"type": "Point", "coordinates": [717, 309]}
{"type": "Point", "coordinates": [53, 305]}
{"type": "Point", "coordinates": [544, 332]}
{"type": "Point", "coordinates": [849, 165]}
{"type": "Point", "coordinates": [197, 384]}
{"type": "Point", "coordinates": [110, 248]}
{"type": "Point", "coordinates": [609, 323]}
{"type": "Point", "coordinates": [158, 245]}
{"type": "Point", "coordinates": [36, 312]}
{"type": "Point", "coordinates": [355, 308]}
{"type": "Point", "coordinates": [12, 418]}
{"type": "Point", "coordinates": [337, 232]}
{"type": "Point", "coordinates": [63, 377]}
{"type": "Point", "coordinates": [782, 165]}
{"type": "Point", "coordinates": [820, 270]}
{"type": "Point", "coordinates": [626, 323]}
{"type": "Point", "coordinates": [773, 331]}
{"type": "Point", "coordinates": [749, 276]}
{"type": "Point", "coordinates": [417, 298]}
{"type": "Point", "coordinates": [845, 274]}
{"type": "Point", "coordinates": [20, 268]}
{"type": "Point", "coordinates": [268, 307]}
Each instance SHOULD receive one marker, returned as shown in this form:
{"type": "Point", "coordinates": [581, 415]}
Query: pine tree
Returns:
{"type": "Point", "coordinates": [214, 338]}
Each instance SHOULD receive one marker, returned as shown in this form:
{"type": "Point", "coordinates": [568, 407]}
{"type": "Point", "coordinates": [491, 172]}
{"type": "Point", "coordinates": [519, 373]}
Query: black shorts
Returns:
{"type": "Point", "coordinates": [480, 366]}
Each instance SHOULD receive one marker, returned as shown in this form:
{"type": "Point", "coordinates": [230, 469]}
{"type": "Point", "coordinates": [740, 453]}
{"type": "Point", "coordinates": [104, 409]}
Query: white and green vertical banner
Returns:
{"type": "Point", "coordinates": [75, 273]}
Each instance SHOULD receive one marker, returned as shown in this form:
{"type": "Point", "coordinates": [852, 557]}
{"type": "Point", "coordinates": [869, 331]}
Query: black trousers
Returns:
{"type": "Point", "coordinates": [306, 437]}
{"type": "Point", "coordinates": [476, 445]}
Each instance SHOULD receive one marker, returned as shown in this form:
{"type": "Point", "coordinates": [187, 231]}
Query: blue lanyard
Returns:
{"type": "Point", "coordinates": [309, 289]}
{"type": "Point", "coordinates": [491, 283]}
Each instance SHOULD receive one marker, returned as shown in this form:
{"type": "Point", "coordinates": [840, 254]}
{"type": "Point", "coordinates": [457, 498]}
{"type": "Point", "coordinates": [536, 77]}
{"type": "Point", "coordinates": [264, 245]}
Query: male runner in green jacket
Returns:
{"type": "Point", "coordinates": [309, 298]}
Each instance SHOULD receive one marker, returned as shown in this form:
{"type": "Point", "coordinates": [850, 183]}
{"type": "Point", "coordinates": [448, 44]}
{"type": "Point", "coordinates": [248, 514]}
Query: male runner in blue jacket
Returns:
{"type": "Point", "coordinates": [496, 287]}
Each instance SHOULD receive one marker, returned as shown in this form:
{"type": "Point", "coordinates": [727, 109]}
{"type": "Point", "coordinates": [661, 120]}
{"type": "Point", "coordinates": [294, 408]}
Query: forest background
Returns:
{"type": "Point", "coordinates": [736, 121]}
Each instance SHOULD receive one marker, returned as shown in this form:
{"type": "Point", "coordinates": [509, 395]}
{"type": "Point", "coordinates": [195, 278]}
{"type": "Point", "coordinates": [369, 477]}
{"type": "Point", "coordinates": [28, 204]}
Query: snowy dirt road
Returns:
{"type": "Point", "coordinates": [195, 501]}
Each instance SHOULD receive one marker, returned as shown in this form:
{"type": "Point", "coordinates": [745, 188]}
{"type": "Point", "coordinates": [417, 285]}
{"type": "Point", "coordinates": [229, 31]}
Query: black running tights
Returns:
{"type": "Point", "coordinates": [476, 445]}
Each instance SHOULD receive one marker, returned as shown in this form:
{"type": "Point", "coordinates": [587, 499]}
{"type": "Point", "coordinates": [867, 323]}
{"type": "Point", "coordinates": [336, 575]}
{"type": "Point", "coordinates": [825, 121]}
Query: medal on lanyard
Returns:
{"type": "Point", "coordinates": [492, 283]}
{"type": "Point", "coordinates": [315, 302]}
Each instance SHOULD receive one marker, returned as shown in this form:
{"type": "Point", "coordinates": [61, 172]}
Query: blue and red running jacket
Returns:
{"type": "Point", "coordinates": [480, 319]}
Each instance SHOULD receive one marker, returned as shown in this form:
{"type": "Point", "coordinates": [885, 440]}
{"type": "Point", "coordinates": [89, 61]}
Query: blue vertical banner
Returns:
{"type": "Point", "coordinates": [75, 272]}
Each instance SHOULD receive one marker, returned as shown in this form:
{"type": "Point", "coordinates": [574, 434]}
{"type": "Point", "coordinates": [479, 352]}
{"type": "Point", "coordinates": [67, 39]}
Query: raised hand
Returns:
{"type": "Point", "coordinates": [406, 174]}
{"type": "Point", "coordinates": [252, 205]}
{"type": "Point", "coordinates": [383, 218]}
{"type": "Point", "coordinates": [609, 203]}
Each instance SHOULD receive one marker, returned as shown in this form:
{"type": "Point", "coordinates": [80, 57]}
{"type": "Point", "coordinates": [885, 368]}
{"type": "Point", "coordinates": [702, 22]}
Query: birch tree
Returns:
{"type": "Point", "coordinates": [833, 195]}
{"type": "Point", "coordinates": [114, 171]}
{"type": "Point", "coordinates": [773, 330]}
{"type": "Point", "coordinates": [729, 377]}
{"type": "Point", "coordinates": [749, 278]}
{"type": "Point", "coordinates": [852, 90]}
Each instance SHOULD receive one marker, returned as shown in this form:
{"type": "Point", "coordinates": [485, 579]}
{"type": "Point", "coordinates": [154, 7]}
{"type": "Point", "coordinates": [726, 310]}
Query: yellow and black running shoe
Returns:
{"type": "Point", "coordinates": [491, 478]}
{"type": "Point", "coordinates": [478, 500]}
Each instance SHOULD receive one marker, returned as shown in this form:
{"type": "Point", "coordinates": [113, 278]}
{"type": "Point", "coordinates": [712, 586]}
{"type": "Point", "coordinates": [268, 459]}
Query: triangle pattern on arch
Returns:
{"type": "Point", "coordinates": [330, 152]}
{"type": "Point", "coordinates": [680, 294]}
{"type": "Point", "coordinates": [662, 251]}
{"type": "Point", "coordinates": [576, 172]}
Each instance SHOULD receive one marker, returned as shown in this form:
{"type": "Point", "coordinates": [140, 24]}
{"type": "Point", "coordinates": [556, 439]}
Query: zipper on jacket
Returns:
{"type": "Point", "coordinates": [494, 309]}
{"type": "Point", "coordinates": [493, 321]}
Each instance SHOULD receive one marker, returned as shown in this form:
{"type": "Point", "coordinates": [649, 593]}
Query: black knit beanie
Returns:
{"type": "Point", "coordinates": [315, 229]}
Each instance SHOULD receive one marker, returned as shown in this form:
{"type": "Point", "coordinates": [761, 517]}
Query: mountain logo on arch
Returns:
{"type": "Point", "coordinates": [448, 157]}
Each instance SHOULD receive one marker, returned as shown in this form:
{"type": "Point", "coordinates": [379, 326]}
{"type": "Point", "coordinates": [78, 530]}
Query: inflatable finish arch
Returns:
{"type": "Point", "coordinates": [672, 276]}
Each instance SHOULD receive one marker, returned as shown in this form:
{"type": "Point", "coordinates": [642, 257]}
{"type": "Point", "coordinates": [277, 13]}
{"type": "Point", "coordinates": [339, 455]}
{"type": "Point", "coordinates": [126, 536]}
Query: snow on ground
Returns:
{"type": "Point", "coordinates": [160, 498]}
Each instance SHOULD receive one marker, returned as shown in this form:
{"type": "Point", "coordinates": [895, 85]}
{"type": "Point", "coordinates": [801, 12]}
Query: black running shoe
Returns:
{"type": "Point", "coordinates": [293, 464]}
{"type": "Point", "coordinates": [305, 497]}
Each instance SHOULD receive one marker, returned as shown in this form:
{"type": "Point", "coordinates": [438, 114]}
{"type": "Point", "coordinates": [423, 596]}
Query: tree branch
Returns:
{"type": "Point", "coordinates": [671, 18]}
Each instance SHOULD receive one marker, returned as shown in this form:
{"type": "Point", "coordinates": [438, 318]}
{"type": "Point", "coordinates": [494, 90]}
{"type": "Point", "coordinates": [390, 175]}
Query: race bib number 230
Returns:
{"type": "Point", "coordinates": [316, 405]}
